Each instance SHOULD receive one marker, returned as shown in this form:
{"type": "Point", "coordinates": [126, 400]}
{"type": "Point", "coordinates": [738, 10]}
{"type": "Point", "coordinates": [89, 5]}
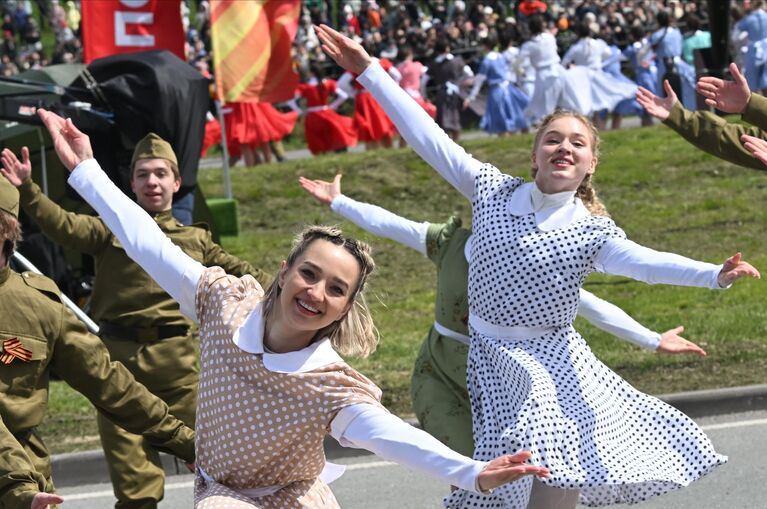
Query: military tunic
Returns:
{"type": "Point", "coordinates": [438, 389]}
{"type": "Point", "coordinates": [142, 327]}
{"type": "Point", "coordinates": [713, 134]}
{"type": "Point", "coordinates": [19, 482]}
{"type": "Point", "coordinates": [59, 343]}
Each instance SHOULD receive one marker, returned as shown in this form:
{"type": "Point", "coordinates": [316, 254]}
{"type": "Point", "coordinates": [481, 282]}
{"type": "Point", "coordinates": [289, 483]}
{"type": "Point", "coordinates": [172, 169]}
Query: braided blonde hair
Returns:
{"type": "Point", "coordinates": [353, 334]}
{"type": "Point", "coordinates": [585, 191]}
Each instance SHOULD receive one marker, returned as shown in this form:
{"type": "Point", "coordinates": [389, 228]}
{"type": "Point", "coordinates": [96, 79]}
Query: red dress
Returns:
{"type": "Point", "coordinates": [255, 124]}
{"type": "Point", "coordinates": [324, 129]}
{"type": "Point", "coordinates": [370, 120]}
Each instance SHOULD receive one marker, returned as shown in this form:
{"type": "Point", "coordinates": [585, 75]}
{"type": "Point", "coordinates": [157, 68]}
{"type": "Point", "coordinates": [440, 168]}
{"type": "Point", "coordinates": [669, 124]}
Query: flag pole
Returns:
{"type": "Point", "coordinates": [224, 151]}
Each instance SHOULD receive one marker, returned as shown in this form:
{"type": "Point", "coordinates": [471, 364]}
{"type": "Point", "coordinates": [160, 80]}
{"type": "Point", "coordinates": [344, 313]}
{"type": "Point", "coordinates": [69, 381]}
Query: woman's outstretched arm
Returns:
{"type": "Point", "coordinates": [610, 318]}
{"type": "Point", "coordinates": [139, 235]}
{"type": "Point", "coordinates": [414, 124]}
{"type": "Point", "coordinates": [372, 218]}
{"type": "Point", "coordinates": [622, 257]}
{"type": "Point", "coordinates": [370, 427]}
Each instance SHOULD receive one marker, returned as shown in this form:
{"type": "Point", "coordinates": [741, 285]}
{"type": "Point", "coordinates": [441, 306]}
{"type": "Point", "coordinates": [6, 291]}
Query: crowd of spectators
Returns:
{"type": "Point", "coordinates": [22, 47]}
{"type": "Point", "coordinates": [385, 27]}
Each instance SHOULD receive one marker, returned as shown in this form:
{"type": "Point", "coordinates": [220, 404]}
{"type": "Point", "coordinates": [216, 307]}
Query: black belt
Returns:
{"type": "Point", "coordinates": [142, 334]}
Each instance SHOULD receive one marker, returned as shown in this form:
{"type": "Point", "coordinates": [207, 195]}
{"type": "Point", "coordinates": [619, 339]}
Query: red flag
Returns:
{"type": "Point", "coordinates": [126, 26]}
{"type": "Point", "coordinates": [251, 49]}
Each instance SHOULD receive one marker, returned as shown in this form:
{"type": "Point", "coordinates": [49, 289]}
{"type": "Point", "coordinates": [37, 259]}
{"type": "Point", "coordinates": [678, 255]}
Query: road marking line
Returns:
{"type": "Point", "coordinates": [737, 424]}
{"type": "Point", "coordinates": [380, 464]}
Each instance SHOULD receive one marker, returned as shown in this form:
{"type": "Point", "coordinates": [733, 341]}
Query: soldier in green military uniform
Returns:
{"type": "Point", "coordinates": [707, 131]}
{"type": "Point", "coordinates": [40, 336]}
{"type": "Point", "coordinates": [21, 487]}
{"type": "Point", "coordinates": [140, 324]}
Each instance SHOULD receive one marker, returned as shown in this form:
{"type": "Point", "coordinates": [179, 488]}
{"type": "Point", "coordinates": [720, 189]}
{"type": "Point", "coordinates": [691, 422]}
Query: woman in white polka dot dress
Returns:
{"type": "Point", "coordinates": [534, 383]}
{"type": "Point", "coordinates": [271, 383]}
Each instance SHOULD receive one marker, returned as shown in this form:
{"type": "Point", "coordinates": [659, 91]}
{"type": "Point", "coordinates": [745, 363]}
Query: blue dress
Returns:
{"type": "Point", "coordinates": [667, 43]}
{"type": "Point", "coordinates": [755, 24]}
{"type": "Point", "coordinates": [505, 102]}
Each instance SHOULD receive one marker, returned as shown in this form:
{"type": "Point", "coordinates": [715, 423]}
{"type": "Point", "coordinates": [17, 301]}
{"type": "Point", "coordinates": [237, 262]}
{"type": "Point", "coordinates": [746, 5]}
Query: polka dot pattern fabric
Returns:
{"type": "Point", "coordinates": [550, 394]}
{"type": "Point", "coordinates": [258, 428]}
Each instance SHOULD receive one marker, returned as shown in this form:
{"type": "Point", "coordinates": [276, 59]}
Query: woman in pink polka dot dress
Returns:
{"type": "Point", "coordinates": [271, 382]}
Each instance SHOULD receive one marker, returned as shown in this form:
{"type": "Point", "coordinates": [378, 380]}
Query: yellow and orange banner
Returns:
{"type": "Point", "coordinates": [251, 49]}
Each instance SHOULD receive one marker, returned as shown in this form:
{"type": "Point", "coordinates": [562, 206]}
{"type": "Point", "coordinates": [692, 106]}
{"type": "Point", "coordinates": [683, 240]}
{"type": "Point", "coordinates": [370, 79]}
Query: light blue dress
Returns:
{"type": "Point", "coordinates": [612, 66]}
{"type": "Point", "coordinates": [669, 46]}
{"type": "Point", "coordinates": [505, 102]}
{"type": "Point", "coordinates": [755, 24]}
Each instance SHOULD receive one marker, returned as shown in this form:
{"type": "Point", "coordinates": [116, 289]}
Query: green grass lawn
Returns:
{"type": "Point", "coordinates": [664, 193]}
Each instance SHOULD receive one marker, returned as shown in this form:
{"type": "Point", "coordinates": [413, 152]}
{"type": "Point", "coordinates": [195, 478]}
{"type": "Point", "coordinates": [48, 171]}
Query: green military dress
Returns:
{"type": "Point", "coordinates": [55, 341]}
{"type": "Point", "coordinates": [142, 328]}
{"type": "Point", "coordinates": [439, 393]}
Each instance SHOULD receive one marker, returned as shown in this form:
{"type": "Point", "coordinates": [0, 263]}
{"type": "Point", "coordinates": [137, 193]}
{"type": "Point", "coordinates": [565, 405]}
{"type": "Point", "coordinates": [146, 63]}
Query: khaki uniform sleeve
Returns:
{"type": "Point", "coordinates": [19, 482]}
{"type": "Point", "coordinates": [215, 256]}
{"type": "Point", "coordinates": [82, 360]}
{"type": "Point", "coordinates": [84, 233]}
{"type": "Point", "coordinates": [715, 135]}
{"type": "Point", "coordinates": [756, 111]}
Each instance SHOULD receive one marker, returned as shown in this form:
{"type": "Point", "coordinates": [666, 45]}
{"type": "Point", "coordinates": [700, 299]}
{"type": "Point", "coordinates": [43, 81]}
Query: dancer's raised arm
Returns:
{"type": "Point", "coordinates": [622, 257]}
{"type": "Point", "coordinates": [414, 124]}
{"type": "Point", "coordinates": [372, 218]}
{"type": "Point", "coordinates": [139, 235]}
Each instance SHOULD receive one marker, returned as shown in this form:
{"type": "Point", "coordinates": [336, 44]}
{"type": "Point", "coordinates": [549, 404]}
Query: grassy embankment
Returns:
{"type": "Point", "coordinates": [664, 193]}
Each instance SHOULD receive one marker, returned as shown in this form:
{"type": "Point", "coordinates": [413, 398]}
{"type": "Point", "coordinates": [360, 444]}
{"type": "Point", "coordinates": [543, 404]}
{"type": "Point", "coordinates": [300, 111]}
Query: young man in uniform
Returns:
{"type": "Point", "coordinates": [40, 336]}
{"type": "Point", "coordinates": [140, 324]}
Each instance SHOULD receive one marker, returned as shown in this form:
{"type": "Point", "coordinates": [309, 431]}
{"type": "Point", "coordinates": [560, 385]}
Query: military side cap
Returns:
{"type": "Point", "coordinates": [9, 197]}
{"type": "Point", "coordinates": [152, 146]}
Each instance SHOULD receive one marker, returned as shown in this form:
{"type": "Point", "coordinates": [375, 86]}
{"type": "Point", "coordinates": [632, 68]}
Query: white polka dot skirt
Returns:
{"type": "Point", "coordinates": [593, 430]}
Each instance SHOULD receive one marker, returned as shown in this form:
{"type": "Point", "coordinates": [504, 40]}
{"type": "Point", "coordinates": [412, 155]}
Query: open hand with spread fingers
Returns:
{"type": "Point", "coordinates": [735, 268]}
{"type": "Point", "coordinates": [322, 191]}
{"type": "Point", "coordinates": [72, 145]}
{"type": "Point", "coordinates": [658, 107]}
{"type": "Point", "coordinates": [346, 53]}
{"type": "Point", "coordinates": [14, 170]}
{"type": "Point", "coordinates": [506, 469]}
{"type": "Point", "coordinates": [728, 96]}
{"type": "Point", "coordinates": [672, 343]}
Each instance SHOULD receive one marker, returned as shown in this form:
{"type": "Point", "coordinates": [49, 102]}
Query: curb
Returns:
{"type": "Point", "coordinates": [88, 467]}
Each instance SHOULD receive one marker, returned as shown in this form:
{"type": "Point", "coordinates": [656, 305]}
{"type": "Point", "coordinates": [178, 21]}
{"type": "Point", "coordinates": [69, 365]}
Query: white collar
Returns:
{"type": "Point", "coordinates": [250, 338]}
{"type": "Point", "coordinates": [443, 56]}
{"type": "Point", "coordinates": [552, 211]}
{"type": "Point", "coordinates": [312, 81]}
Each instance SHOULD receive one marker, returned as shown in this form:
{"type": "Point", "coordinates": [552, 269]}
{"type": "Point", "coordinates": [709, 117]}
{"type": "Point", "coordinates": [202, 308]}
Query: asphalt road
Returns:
{"type": "Point", "coordinates": [373, 484]}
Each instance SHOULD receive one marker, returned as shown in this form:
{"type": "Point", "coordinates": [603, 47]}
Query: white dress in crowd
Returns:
{"type": "Point", "coordinates": [521, 72]}
{"type": "Point", "coordinates": [554, 86]}
{"type": "Point", "coordinates": [599, 90]}
{"type": "Point", "coordinates": [261, 416]}
{"type": "Point", "coordinates": [533, 381]}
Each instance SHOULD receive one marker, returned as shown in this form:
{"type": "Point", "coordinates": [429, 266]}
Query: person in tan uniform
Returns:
{"type": "Point", "coordinates": [21, 487]}
{"type": "Point", "coordinates": [139, 322]}
{"type": "Point", "coordinates": [40, 337]}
